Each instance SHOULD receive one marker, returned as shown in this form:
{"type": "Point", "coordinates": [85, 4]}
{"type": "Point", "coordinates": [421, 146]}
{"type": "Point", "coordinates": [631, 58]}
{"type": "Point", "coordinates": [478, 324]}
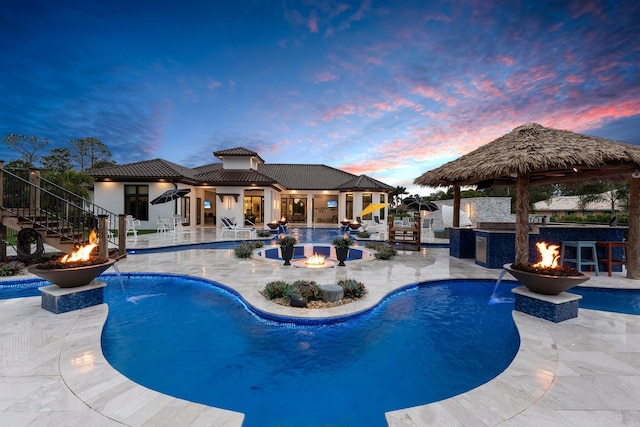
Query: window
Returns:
{"type": "Point", "coordinates": [136, 201]}
{"type": "Point", "coordinates": [382, 200]}
{"type": "Point", "coordinates": [367, 198]}
{"type": "Point", "coordinates": [349, 206]}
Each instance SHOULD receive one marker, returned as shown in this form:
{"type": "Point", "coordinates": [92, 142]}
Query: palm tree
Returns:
{"type": "Point", "coordinates": [397, 193]}
{"type": "Point", "coordinates": [616, 194]}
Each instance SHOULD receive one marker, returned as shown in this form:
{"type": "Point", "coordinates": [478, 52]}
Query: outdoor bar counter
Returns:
{"type": "Point", "coordinates": [493, 244]}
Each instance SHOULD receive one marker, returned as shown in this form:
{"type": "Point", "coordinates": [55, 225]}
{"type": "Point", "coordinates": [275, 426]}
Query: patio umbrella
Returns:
{"type": "Point", "coordinates": [420, 205]}
{"type": "Point", "coordinates": [372, 208]}
{"type": "Point", "coordinates": [170, 195]}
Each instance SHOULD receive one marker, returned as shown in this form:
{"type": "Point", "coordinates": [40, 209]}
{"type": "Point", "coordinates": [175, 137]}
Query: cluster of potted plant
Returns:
{"type": "Point", "coordinates": [301, 291]}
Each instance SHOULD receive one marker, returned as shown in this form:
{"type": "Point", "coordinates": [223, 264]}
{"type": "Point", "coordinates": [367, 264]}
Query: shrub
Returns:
{"type": "Point", "coordinates": [386, 252]}
{"type": "Point", "coordinates": [276, 289]}
{"type": "Point", "coordinates": [364, 234]}
{"type": "Point", "coordinates": [264, 233]}
{"type": "Point", "coordinates": [10, 268]}
{"type": "Point", "coordinates": [352, 288]}
{"type": "Point", "coordinates": [245, 249]}
{"type": "Point", "coordinates": [374, 245]}
{"type": "Point", "coordinates": [307, 288]}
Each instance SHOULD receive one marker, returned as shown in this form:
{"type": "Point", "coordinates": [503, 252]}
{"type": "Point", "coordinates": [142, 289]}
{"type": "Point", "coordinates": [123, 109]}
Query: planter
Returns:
{"type": "Point", "coordinates": [546, 284]}
{"type": "Point", "coordinates": [287, 254]}
{"type": "Point", "coordinates": [341, 255]}
{"type": "Point", "coordinates": [71, 277]}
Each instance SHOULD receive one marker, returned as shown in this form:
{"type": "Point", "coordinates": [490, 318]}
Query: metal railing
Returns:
{"type": "Point", "coordinates": [49, 206]}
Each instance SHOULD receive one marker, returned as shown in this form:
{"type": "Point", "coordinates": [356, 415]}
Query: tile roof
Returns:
{"type": "Point", "coordinates": [570, 203]}
{"type": "Point", "coordinates": [305, 176]}
{"type": "Point", "coordinates": [364, 182]}
{"type": "Point", "coordinates": [237, 151]}
{"type": "Point", "coordinates": [235, 177]}
{"type": "Point", "coordinates": [148, 169]}
{"type": "Point", "coordinates": [289, 176]}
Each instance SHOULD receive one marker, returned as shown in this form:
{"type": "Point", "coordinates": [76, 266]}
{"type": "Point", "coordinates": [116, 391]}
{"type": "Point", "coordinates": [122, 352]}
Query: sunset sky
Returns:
{"type": "Point", "coordinates": [390, 89]}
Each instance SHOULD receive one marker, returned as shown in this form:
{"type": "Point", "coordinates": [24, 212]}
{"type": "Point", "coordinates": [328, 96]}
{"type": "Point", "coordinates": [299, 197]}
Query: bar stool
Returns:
{"type": "Point", "coordinates": [579, 261]}
{"type": "Point", "coordinates": [609, 261]}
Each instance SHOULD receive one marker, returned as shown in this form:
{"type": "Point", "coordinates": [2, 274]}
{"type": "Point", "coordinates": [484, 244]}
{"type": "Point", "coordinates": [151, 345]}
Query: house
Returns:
{"type": "Point", "coordinates": [242, 187]}
{"type": "Point", "coordinates": [569, 205]}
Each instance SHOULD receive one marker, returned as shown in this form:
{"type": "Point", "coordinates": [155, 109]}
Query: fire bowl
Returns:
{"type": "Point", "coordinates": [546, 284]}
{"type": "Point", "coordinates": [71, 277]}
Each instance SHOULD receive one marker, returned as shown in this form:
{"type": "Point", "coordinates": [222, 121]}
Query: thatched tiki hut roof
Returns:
{"type": "Point", "coordinates": [534, 155]}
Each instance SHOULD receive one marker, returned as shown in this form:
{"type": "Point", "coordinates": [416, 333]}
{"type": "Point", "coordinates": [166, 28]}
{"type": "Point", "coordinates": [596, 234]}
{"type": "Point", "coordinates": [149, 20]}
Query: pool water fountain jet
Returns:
{"type": "Point", "coordinates": [494, 299]}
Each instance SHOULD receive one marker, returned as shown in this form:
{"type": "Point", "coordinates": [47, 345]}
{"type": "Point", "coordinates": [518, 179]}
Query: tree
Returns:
{"type": "Point", "coordinates": [615, 194]}
{"type": "Point", "coordinates": [28, 147]}
{"type": "Point", "coordinates": [16, 164]}
{"type": "Point", "coordinates": [89, 151]}
{"type": "Point", "coordinates": [73, 181]}
{"type": "Point", "coordinates": [397, 193]}
{"type": "Point", "coordinates": [103, 164]}
{"type": "Point", "coordinates": [58, 160]}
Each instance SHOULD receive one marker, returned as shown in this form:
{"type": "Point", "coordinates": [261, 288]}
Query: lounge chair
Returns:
{"type": "Point", "coordinates": [229, 226]}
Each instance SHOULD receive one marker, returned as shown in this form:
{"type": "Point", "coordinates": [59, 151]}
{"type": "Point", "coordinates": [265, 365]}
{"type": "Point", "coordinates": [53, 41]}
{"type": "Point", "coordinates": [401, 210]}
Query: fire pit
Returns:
{"type": "Point", "coordinates": [546, 277]}
{"type": "Point", "coordinates": [76, 269]}
{"type": "Point", "coordinates": [315, 261]}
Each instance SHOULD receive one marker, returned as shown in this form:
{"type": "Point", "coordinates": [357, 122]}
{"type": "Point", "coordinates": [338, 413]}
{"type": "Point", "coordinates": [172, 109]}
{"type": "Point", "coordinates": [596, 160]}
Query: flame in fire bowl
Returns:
{"type": "Point", "coordinates": [71, 277]}
{"type": "Point", "coordinates": [546, 284]}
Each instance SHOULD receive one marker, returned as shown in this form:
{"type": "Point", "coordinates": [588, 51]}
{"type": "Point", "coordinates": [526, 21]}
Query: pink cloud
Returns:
{"type": "Point", "coordinates": [339, 111]}
{"type": "Point", "coordinates": [427, 92]}
{"type": "Point", "coordinates": [370, 166]}
{"type": "Point", "coordinates": [584, 7]}
{"type": "Point", "coordinates": [312, 22]}
{"type": "Point", "coordinates": [574, 79]}
{"type": "Point", "coordinates": [324, 76]}
{"type": "Point", "coordinates": [213, 85]}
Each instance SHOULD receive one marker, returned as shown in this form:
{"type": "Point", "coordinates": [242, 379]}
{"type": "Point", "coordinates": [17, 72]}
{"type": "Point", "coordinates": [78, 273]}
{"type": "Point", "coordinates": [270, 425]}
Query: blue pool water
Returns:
{"type": "Point", "coordinates": [190, 339]}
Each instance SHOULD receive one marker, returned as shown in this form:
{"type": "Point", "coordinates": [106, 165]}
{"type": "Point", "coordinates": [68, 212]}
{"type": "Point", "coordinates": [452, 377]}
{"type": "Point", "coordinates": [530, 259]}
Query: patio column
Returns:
{"type": "Point", "coordinates": [522, 219]}
{"type": "Point", "coordinates": [633, 250]}
{"type": "Point", "coordinates": [309, 210]}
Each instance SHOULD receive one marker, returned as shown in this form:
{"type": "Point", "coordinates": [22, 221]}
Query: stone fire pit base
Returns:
{"type": "Point", "coordinates": [555, 308]}
{"type": "Point", "coordinates": [60, 300]}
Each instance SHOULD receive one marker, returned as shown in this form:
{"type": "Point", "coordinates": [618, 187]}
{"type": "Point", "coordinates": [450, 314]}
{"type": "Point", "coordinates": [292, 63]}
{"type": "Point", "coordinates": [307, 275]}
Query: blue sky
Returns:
{"type": "Point", "coordinates": [390, 89]}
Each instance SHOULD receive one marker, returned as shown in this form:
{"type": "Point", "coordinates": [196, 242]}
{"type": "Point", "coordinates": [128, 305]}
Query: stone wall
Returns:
{"type": "Point", "coordinates": [479, 209]}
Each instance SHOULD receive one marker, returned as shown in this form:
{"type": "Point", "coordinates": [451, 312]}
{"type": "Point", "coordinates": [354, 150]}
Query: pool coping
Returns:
{"type": "Point", "coordinates": [108, 392]}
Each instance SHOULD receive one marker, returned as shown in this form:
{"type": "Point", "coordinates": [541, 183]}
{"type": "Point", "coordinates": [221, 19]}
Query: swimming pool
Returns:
{"type": "Point", "coordinates": [192, 339]}
{"type": "Point", "coordinates": [31, 285]}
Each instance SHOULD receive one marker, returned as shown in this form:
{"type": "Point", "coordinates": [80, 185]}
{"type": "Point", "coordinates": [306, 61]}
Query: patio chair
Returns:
{"type": "Point", "coordinates": [229, 226]}
{"type": "Point", "coordinates": [163, 224]}
{"type": "Point", "coordinates": [132, 225]}
{"type": "Point", "coordinates": [427, 226]}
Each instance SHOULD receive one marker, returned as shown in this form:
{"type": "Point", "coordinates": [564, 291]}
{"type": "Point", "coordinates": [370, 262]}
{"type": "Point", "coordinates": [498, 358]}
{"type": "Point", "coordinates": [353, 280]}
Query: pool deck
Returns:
{"type": "Point", "coordinates": [583, 371]}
